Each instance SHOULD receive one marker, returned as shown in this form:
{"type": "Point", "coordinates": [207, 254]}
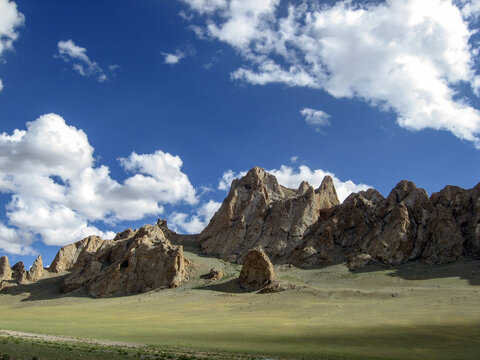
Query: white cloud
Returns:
{"type": "Point", "coordinates": [13, 242]}
{"type": "Point", "coordinates": [315, 118]}
{"type": "Point", "coordinates": [194, 224]}
{"type": "Point", "coordinates": [400, 55]}
{"type": "Point", "coordinates": [10, 20]}
{"type": "Point", "coordinates": [58, 191]}
{"type": "Point", "coordinates": [227, 178]}
{"type": "Point", "coordinates": [294, 159]}
{"type": "Point", "coordinates": [172, 59]}
{"type": "Point", "coordinates": [289, 177]}
{"type": "Point", "coordinates": [69, 52]}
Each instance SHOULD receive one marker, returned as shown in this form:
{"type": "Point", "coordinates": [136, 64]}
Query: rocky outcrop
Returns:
{"type": "Point", "coordinates": [260, 212]}
{"type": "Point", "coordinates": [257, 270]}
{"type": "Point", "coordinates": [19, 273]}
{"type": "Point", "coordinates": [124, 234]}
{"type": "Point", "coordinates": [143, 262]}
{"type": "Point", "coordinates": [368, 228]}
{"type": "Point", "coordinates": [5, 269]}
{"type": "Point", "coordinates": [68, 255]}
{"type": "Point", "coordinates": [36, 271]}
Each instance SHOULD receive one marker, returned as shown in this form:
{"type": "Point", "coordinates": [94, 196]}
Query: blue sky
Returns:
{"type": "Point", "coordinates": [191, 92]}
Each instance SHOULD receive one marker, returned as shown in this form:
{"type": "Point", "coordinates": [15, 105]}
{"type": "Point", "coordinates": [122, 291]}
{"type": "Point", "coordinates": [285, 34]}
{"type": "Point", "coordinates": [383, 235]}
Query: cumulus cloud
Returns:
{"type": "Point", "coordinates": [315, 118]}
{"type": "Point", "coordinates": [291, 178]}
{"type": "Point", "coordinates": [401, 55]}
{"type": "Point", "coordinates": [10, 20]}
{"type": "Point", "coordinates": [195, 223]}
{"type": "Point", "coordinates": [58, 191]}
{"type": "Point", "coordinates": [172, 59]}
{"type": "Point", "coordinates": [71, 53]}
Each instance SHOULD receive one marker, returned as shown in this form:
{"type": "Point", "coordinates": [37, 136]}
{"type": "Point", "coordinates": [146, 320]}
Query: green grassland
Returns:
{"type": "Point", "coordinates": [414, 311]}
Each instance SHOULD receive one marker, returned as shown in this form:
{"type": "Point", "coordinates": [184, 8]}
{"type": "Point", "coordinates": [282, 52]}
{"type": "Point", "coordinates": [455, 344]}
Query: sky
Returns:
{"type": "Point", "coordinates": [115, 114]}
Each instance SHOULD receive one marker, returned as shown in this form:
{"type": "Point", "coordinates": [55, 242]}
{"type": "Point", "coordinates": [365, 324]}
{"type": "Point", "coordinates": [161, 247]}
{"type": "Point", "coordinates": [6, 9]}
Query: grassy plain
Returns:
{"type": "Point", "coordinates": [414, 311]}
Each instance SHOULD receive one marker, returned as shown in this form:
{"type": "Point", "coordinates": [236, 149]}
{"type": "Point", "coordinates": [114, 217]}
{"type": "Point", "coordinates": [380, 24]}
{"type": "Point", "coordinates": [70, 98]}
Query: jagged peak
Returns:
{"type": "Point", "coordinates": [303, 188]}
{"type": "Point", "coordinates": [327, 194]}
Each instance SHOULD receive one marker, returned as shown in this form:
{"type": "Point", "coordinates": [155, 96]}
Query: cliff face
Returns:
{"type": "Point", "coordinates": [258, 211]}
{"type": "Point", "coordinates": [308, 227]}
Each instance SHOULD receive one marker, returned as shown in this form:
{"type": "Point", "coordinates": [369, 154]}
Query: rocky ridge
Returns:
{"type": "Point", "coordinates": [310, 227]}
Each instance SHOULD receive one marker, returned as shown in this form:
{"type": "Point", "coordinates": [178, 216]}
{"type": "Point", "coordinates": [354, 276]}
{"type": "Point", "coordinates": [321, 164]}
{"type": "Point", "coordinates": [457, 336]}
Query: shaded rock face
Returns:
{"type": "Point", "coordinates": [19, 273]}
{"type": "Point", "coordinates": [260, 212]}
{"type": "Point", "coordinates": [68, 255]}
{"type": "Point", "coordinates": [257, 270]}
{"type": "Point", "coordinates": [143, 262]}
{"type": "Point", "coordinates": [36, 271]}
{"type": "Point", "coordinates": [5, 269]}
{"type": "Point", "coordinates": [464, 206]}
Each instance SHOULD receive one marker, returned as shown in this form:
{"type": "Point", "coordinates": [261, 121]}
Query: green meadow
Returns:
{"type": "Point", "coordinates": [414, 311]}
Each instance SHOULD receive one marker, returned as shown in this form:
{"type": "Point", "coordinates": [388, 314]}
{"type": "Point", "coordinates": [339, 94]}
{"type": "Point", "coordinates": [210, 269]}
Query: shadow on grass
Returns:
{"type": "Point", "coordinates": [44, 289]}
{"type": "Point", "coordinates": [231, 286]}
{"type": "Point", "coordinates": [467, 269]}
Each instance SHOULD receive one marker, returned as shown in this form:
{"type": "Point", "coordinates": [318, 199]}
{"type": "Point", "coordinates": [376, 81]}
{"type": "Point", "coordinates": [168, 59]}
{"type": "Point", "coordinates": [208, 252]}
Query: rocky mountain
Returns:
{"type": "Point", "coordinates": [310, 227]}
{"type": "Point", "coordinates": [259, 211]}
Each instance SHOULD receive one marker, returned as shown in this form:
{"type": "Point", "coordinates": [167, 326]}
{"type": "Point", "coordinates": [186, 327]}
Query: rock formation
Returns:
{"type": "Point", "coordinates": [5, 269]}
{"type": "Point", "coordinates": [257, 270]}
{"type": "Point", "coordinates": [142, 262]}
{"type": "Point", "coordinates": [19, 273]}
{"type": "Point", "coordinates": [36, 271]}
{"type": "Point", "coordinates": [258, 211]}
{"type": "Point", "coordinates": [308, 227]}
{"type": "Point", "coordinates": [68, 255]}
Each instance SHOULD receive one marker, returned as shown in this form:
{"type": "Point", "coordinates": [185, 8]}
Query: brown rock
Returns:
{"type": "Point", "coordinates": [36, 271]}
{"type": "Point", "coordinates": [464, 206]}
{"type": "Point", "coordinates": [68, 255]}
{"type": "Point", "coordinates": [5, 270]}
{"type": "Point", "coordinates": [19, 273]}
{"type": "Point", "coordinates": [359, 261]}
{"type": "Point", "coordinates": [145, 262]}
{"type": "Point", "coordinates": [444, 240]}
{"type": "Point", "coordinates": [215, 274]}
{"type": "Point", "coordinates": [257, 270]}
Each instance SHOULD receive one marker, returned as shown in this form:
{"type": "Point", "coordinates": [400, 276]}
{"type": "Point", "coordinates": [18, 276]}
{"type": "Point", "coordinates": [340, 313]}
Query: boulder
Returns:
{"type": "Point", "coordinates": [5, 269]}
{"type": "Point", "coordinates": [36, 271]}
{"type": "Point", "coordinates": [68, 255]}
{"type": "Point", "coordinates": [359, 261]}
{"type": "Point", "coordinates": [19, 273]}
{"type": "Point", "coordinates": [144, 262]}
{"type": "Point", "coordinates": [257, 270]}
{"type": "Point", "coordinates": [215, 274]}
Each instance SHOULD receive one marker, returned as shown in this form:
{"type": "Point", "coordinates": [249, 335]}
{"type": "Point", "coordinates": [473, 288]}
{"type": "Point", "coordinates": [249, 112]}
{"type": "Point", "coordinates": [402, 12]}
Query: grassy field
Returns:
{"type": "Point", "coordinates": [414, 311]}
